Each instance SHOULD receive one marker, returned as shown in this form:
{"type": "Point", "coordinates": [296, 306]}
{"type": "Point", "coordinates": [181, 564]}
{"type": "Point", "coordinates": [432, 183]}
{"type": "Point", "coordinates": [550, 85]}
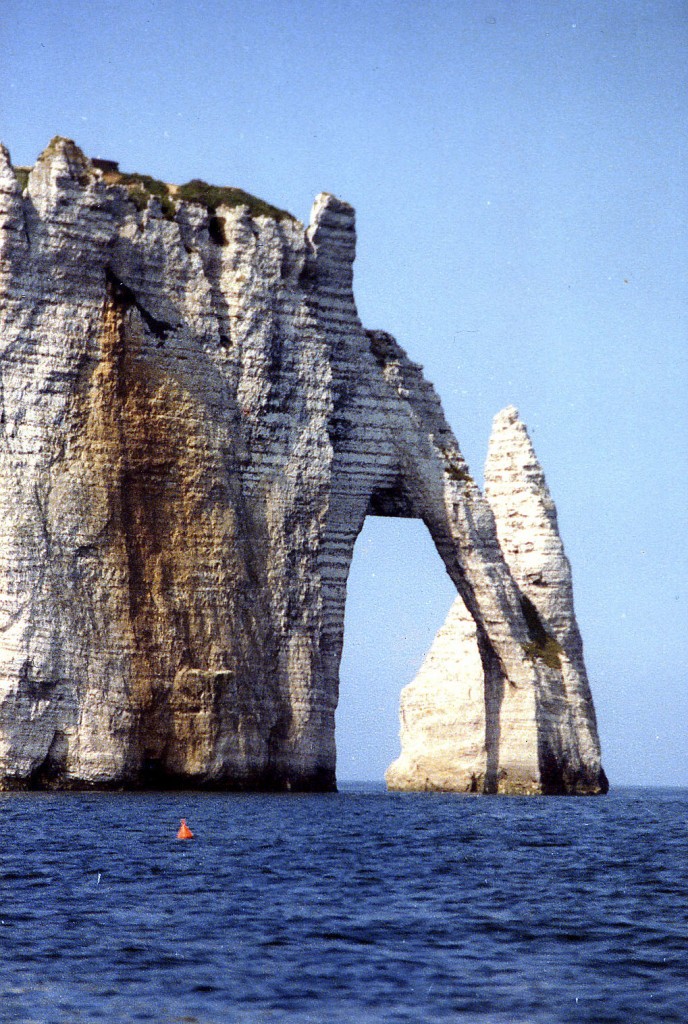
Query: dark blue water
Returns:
{"type": "Point", "coordinates": [360, 907]}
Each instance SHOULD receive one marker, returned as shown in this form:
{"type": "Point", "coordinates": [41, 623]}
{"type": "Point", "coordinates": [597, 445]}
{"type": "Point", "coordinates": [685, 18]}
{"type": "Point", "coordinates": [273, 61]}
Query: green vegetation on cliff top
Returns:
{"type": "Point", "coordinates": [212, 196]}
{"type": "Point", "coordinates": [141, 187]}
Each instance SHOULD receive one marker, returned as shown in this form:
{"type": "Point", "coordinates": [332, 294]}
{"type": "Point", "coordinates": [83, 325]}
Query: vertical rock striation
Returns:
{"type": "Point", "coordinates": [443, 721]}
{"type": "Point", "coordinates": [194, 425]}
{"type": "Point", "coordinates": [526, 521]}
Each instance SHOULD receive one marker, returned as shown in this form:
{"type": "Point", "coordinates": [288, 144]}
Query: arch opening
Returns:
{"type": "Point", "coordinates": [398, 596]}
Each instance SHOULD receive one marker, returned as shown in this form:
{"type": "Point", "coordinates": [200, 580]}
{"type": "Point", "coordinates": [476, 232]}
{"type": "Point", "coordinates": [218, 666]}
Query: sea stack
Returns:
{"type": "Point", "coordinates": [194, 426]}
{"type": "Point", "coordinates": [445, 732]}
{"type": "Point", "coordinates": [526, 521]}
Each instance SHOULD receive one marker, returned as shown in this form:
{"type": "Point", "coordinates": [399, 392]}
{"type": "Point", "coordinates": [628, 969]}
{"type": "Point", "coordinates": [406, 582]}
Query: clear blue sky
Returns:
{"type": "Point", "coordinates": [518, 169]}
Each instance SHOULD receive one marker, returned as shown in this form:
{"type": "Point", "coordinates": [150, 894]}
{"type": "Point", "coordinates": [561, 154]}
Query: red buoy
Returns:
{"type": "Point", "coordinates": [184, 831]}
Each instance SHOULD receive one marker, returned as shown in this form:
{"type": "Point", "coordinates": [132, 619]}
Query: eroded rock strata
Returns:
{"type": "Point", "coordinates": [442, 709]}
{"type": "Point", "coordinates": [193, 427]}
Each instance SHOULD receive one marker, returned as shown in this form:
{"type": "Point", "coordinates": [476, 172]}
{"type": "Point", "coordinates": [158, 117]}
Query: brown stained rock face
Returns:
{"type": "Point", "coordinates": [166, 523]}
{"type": "Point", "coordinates": [194, 427]}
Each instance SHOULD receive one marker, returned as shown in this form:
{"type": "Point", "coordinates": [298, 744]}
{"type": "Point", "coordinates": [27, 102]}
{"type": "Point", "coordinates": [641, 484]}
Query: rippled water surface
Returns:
{"type": "Point", "coordinates": [361, 906]}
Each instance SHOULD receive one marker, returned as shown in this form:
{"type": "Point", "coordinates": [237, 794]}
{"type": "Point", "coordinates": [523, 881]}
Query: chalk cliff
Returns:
{"type": "Point", "coordinates": [443, 727]}
{"type": "Point", "coordinates": [193, 427]}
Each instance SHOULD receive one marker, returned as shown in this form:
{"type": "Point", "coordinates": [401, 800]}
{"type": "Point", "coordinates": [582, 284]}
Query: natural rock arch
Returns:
{"type": "Point", "coordinates": [397, 597]}
{"type": "Point", "coordinates": [194, 426]}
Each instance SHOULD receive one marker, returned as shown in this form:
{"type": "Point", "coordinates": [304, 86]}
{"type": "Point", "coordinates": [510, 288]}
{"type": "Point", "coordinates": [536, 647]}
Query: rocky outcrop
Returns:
{"type": "Point", "coordinates": [443, 725]}
{"type": "Point", "coordinates": [443, 733]}
{"type": "Point", "coordinates": [528, 533]}
{"type": "Point", "coordinates": [193, 427]}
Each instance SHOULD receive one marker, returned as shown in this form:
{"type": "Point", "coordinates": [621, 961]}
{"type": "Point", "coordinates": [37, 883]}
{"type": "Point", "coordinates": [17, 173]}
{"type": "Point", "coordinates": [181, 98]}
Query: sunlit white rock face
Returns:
{"type": "Point", "coordinates": [526, 521]}
{"type": "Point", "coordinates": [443, 725]}
{"type": "Point", "coordinates": [442, 714]}
{"type": "Point", "coordinates": [193, 427]}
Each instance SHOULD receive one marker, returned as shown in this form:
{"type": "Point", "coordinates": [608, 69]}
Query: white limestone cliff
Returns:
{"type": "Point", "coordinates": [443, 734]}
{"type": "Point", "coordinates": [526, 520]}
{"type": "Point", "coordinates": [193, 427]}
{"type": "Point", "coordinates": [443, 714]}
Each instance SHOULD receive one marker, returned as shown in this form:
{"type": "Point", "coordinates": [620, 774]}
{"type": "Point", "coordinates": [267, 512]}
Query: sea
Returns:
{"type": "Point", "coordinates": [358, 906]}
